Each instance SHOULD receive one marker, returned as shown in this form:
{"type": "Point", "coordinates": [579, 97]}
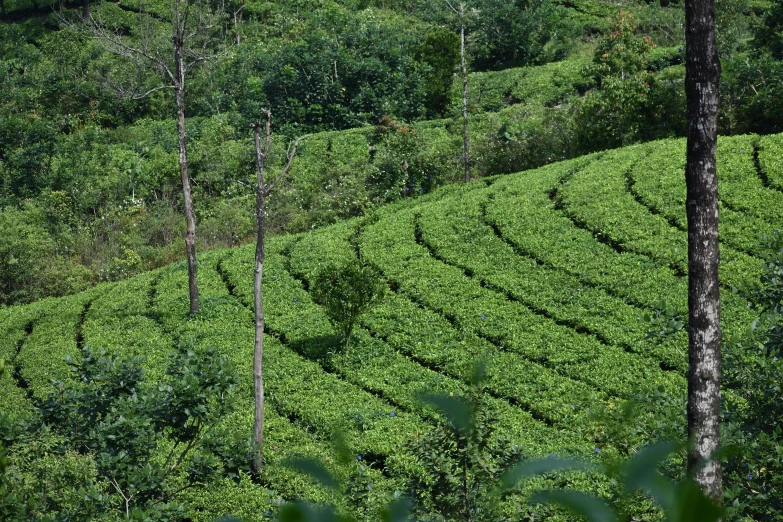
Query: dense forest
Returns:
{"type": "Point", "coordinates": [503, 180]}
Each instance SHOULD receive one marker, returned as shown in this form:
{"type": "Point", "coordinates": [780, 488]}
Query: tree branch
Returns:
{"type": "Point", "coordinates": [118, 47]}
{"type": "Point", "coordinates": [291, 155]}
{"type": "Point", "coordinates": [184, 453]}
{"type": "Point", "coordinates": [261, 154]}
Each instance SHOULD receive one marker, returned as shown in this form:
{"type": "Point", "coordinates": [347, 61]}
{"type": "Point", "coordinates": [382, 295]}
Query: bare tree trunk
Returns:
{"type": "Point", "coordinates": [236, 23]}
{"type": "Point", "coordinates": [464, 93]}
{"type": "Point", "coordinates": [262, 191]}
{"type": "Point", "coordinates": [258, 301]}
{"type": "Point", "coordinates": [701, 84]}
{"type": "Point", "coordinates": [85, 10]}
{"type": "Point", "coordinates": [190, 217]}
{"type": "Point", "coordinates": [258, 351]}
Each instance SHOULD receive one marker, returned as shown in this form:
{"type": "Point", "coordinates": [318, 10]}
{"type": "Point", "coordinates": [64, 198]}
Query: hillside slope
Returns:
{"type": "Point", "coordinates": [546, 275]}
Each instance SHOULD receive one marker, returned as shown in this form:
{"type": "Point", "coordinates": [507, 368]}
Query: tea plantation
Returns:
{"type": "Point", "coordinates": [549, 276]}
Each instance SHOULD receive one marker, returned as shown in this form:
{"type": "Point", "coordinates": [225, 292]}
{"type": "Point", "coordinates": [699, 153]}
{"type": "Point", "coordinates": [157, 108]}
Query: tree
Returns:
{"type": "Point", "coordinates": [460, 11]}
{"type": "Point", "coordinates": [193, 23]}
{"type": "Point", "coordinates": [347, 291]}
{"type": "Point", "coordinates": [701, 86]}
{"type": "Point", "coordinates": [263, 190]}
{"type": "Point", "coordinates": [618, 110]}
{"type": "Point", "coordinates": [514, 33]}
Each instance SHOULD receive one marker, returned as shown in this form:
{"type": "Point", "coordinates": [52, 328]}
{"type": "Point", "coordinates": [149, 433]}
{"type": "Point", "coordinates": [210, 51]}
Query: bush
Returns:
{"type": "Point", "coordinates": [347, 291]}
{"type": "Point", "coordinates": [614, 114]}
{"type": "Point", "coordinates": [401, 164]}
{"type": "Point", "coordinates": [108, 444]}
{"type": "Point", "coordinates": [463, 459]}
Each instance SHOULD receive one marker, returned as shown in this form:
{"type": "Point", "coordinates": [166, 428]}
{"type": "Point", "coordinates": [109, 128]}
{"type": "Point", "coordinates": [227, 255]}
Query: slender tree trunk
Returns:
{"type": "Point", "coordinates": [85, 10]}
{"type": "Point", "coordinates": [258, 352]}
{"type": "Point", "coordinates": [263, 189]}
{"type": "Point", "coordinates": [701, 84]}
{"type": "Point", "coordinates": [190, 217]}
{"type": "Point", "coordinates": [236, 23]}
{"type": "Point", "coordinates": [465, 144]}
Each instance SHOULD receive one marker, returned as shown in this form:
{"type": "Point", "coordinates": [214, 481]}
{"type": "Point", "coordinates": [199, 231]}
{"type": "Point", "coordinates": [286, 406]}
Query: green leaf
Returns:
{"type": "Point", "coordinates": [692, 505]}
{"type": "Point", "coordinates": [397, 511]}
{"type": "Point", "coordinates": [314, 470]}
{"type": "Point", "coordinates": [479, 373]}
{"type": "Point", "coordinates": [588, 506]}
{"type": "Point", "coordinates": [457, 413]}
{"type": "Point", "coordinates": [530, 468]}
{"type": "Point", "coordinates": [642, 473]}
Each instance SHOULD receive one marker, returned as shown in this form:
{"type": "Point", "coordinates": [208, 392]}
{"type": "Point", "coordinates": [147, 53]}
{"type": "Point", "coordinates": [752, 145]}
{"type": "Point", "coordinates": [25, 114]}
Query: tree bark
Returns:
{"type": "Point", "coordinates": [258, 301]}
{"type": "Point", "coordinates": [701, 84]}
{"type": "Point", "coordinates": [85, 10]}
{"type": "Point", "coordinates": [464, 66]}
{"type": "Point", "coordinates": [190, 217]}
{"type": "Point", "coordinates": [263, 189]}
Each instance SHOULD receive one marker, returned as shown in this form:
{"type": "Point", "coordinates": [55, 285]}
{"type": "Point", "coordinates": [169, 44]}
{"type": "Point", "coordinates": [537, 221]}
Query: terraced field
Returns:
{"type": "Point", "coordinates": [546, 275]}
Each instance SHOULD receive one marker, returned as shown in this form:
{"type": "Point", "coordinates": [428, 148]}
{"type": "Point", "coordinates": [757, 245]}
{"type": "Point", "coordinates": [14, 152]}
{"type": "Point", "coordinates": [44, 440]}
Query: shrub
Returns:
{"type": "Point", "coordinates": [463, 459]}
{"type": "Point", "coordinates": [613, 115]}
{"type": "Point", "coordinates": [347, 291]}
{"type": "Point", "coordinates": [114, 444]}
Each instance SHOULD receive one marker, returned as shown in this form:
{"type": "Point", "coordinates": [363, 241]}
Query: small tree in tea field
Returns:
{"type": "Point", "coordinates": [347, 291]}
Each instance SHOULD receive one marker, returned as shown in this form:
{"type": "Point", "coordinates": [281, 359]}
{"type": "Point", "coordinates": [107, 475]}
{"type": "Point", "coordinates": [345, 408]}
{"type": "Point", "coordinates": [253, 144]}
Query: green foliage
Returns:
{"type": "Point", "coordinates": [544, 275]}
{"type": "Point", "coordinates": [625, 221]}
{"type": "Point", "coordinates": [440, 50]}
{"type": "Point", "coordinates": [768, 35]}
{"type": "Point", "coordinates": [401, 165]}
{"type": "Point", "coordinates": [751, 102]}
{"type": "Point", "coordinates": [753, 369]}
{"type": "Point", "coordinates": [462, 460]}
{"type": "Point", "coordinates": [519, 32]}
{"type": "Point", "coordinates": [771, 160]}
{"type": "Point", "coordinates": [452, 229]}
{"type": "Point", "coordinates": [347, 292]}
{"type": "Point", "coordinates": [35, 261]}
{"type": "Point", "coordinates": [455, 455]}
{"type": "Point", "coordinates": [614, 113]}
{"type": "Point", "coordinates": [549, 85]}
{"type": "Point", "coordinates": [123, 447]}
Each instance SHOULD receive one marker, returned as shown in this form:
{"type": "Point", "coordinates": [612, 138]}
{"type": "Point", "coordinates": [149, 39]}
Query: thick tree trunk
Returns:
{"type": "Point", "coordinates": [701, 84]}
{"type": "Point", "coordinates": [465, 144]}
{"type": "Point", "coordinates": [258, 300]}
{"type": "Point", "coordinates": [85, 10]}
{"type": "Point", "coordinates": [190, 217]}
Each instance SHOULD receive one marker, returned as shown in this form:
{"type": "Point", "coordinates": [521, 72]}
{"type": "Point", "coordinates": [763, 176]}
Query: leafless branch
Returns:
{"type": "Point", "coordinates": [154, 89]}
{"type": "Point", "coordinates": [125, 498]}
{"type": "Point", "coordinates": [122, 91]}
{"type": "Point", "coordinates": [176, 492]}
{"type": "Point", "coordinates": [171, 454]}
{"type": "Point", "coordinates": [116, 44]}
{"type": "Point", "coordinates": [452, 7]}
{"type": "Point", "coordinates": [185, 451]}
{"type": "Point", "coordinates": [291, 155]}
